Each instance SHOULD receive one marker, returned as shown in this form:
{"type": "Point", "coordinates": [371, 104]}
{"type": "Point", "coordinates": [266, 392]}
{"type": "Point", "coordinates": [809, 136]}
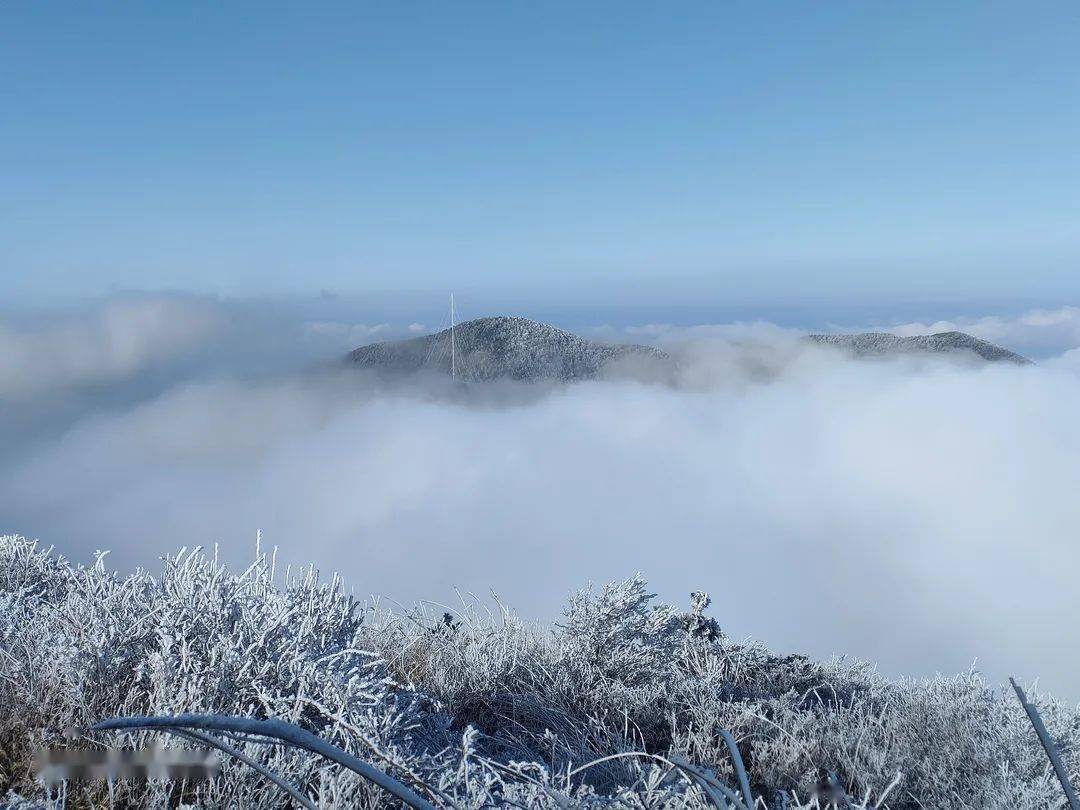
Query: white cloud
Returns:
{"type": "Point", "coordinates": [919, 514]}
{"type": "Point", "coordinates": [349, 332]}
{"type": "Point", "coordinates": [116, 340]}
{"type": "Point", "coordinates": [916, 516]}
{"type": "Point", "coordinates": [1040, 333]}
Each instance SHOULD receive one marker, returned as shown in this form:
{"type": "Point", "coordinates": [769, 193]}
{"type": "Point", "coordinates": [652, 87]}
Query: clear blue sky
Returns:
{"type": "Point", "coordinates": [691, 150]}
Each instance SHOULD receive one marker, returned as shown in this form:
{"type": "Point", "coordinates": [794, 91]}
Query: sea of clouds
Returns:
{"type": "Point", "coordinates": [921, 514]}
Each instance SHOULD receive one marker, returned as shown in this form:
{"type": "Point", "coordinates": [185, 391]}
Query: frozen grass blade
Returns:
{"type": "Point", "coordinates": [287, 732]}
{"type": "Point", "coordinates": [1048, 746]}
{"type": "Point", "coordinates": [740, 769]}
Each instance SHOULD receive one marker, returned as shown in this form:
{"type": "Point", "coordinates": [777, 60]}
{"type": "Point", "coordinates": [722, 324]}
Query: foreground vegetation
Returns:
{"type": "Point", "coordinates": [480, 709]}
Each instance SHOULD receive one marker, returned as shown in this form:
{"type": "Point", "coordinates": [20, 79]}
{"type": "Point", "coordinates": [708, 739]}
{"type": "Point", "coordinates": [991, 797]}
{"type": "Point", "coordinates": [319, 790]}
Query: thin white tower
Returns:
{"type": "Point", "coordinates": [453, 351]}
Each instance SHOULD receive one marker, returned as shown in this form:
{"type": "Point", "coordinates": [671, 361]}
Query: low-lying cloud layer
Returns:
{"type": "Point", "coordinates": [921, 515]}
{"type": "Point", "coordinates": [113, 341]}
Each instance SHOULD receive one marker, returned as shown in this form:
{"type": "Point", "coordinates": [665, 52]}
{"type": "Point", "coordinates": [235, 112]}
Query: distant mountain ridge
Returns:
{"type": "Point", "coordinates": [503, 348]}
{"type": "Point", "coordinates": [879, 344]}
{"type": "Point", "coordinates": [515, 348]}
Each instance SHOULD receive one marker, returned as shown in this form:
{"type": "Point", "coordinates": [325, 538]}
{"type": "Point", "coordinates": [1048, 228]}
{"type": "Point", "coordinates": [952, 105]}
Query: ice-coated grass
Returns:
{"type": "Point", "coordinates": [623, 702]}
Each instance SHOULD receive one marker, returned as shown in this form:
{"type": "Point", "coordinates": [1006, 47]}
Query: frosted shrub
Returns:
{"type": "Point", "coordinates": [81, 645]}
{"type": "Point", "coordinates": [620, 637]}
{"type": "Point", "coordinates": [482, 709]}
{"type": "Point", "coordinates": [618, 673]}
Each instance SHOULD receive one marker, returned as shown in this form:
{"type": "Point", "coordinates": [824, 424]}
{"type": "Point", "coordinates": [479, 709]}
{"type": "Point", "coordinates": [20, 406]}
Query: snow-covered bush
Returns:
{"type": "Point", "coordinates": [482, 709]}
{"type": "Point", "coordinates": [80, 645]}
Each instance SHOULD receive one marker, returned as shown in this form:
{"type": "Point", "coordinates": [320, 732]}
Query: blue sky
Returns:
{"type": "Point", "coordinates": [573, 152]}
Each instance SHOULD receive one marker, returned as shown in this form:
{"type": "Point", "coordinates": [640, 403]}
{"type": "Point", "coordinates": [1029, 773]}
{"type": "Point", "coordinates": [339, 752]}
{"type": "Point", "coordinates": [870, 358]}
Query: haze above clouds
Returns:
{"type": "Point", "coordinates": [919, 514]}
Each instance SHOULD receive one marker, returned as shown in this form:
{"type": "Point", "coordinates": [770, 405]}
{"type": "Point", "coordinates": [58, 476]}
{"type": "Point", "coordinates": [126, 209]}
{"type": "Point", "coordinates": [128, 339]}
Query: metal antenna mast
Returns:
{"type": "Point", "coordinates": [453, 351]}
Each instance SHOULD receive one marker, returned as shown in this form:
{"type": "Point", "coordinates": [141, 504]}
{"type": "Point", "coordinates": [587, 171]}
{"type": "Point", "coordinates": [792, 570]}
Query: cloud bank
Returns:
{"type": "Point", "coordinates": [1041, 333]}
{"type": "Point", "coordinates": [111, 342]}
{"type": "Point", "coordinates": [920, 515]}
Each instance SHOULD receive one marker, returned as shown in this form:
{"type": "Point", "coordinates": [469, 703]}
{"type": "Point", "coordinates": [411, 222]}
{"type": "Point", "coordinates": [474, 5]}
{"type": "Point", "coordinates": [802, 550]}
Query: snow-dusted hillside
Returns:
{"type": "Point", "coordinates": [522, 349]}
{"type": "Point", "coordinates": [478, 710]}
{"type": "Point", "coordinates": [504, 348]}
{"type": "Point", "coordinates": [882, 344]}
